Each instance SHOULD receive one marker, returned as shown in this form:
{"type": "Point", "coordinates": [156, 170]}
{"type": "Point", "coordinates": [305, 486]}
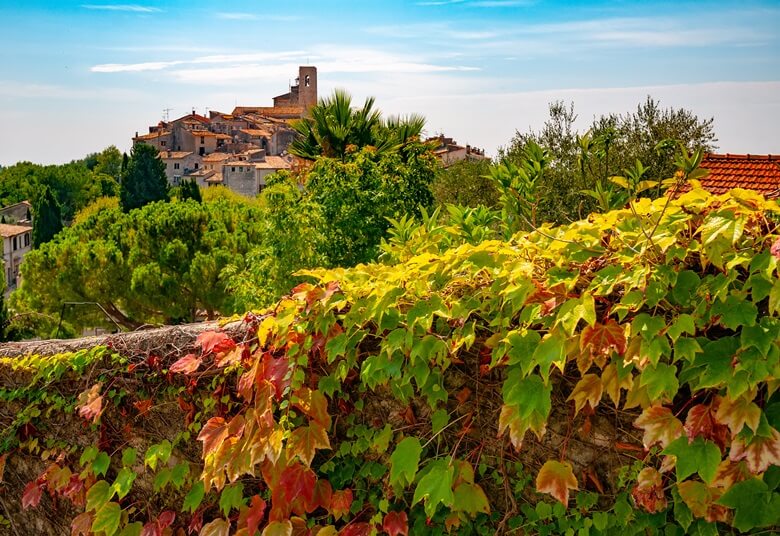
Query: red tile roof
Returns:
{"type": "Point", "coordinates": [749, 171]}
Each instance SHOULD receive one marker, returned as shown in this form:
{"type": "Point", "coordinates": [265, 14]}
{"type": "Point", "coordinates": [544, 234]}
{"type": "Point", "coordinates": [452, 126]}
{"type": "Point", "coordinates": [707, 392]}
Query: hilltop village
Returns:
{"type": "Point", "coordinates": [241, 148]}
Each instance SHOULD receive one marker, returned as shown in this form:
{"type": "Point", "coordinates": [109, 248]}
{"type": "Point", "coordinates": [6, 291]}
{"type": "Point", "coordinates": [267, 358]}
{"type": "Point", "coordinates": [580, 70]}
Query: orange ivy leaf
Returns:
{"type": "Point", "coordinates": [588, 390]}
{"type": "Point", "coordinates": [556, 478]}
{"type": "Point", "coordinates": [143, 406]}
{"type": "Point", "coordinates": [659, 425]}
{"type": "Point", "coordinates": [396, 523]}
{"type": "Point", "coordinates": [314, 404]}
{"type": "Point", "coordinates": [214, 432]}
{"type": "Point", "coordinates": [701, 422]}
{"type": "Point", "coordinates": [81, 525]}
{"type": "Point", "coordinates": [275, 371]}
{"type": "Point", "coordinates": [323, 494]}
{"type": "Point", "coordinates": [214, 341]}
{"type": "Point", "coordinates": [90, 403]}
{"type": "Point", "coordinates": [341, 503]}
{"type": "Point", "coordinates": [187, 364]}
{"type": "Point", "coordinates": [230, 357]}
{"type": "Point", "coordinates": [305, 440]}
{"type": "Point", "coordinates": [2, 465]}
{"type": "Point", "coordinates": [759, 454]}
{"type": "Point", "coordinates": [729, 473]}
{"type": "Point", "coordinates": [648, 493]}
{"type": "Point", "coordinates": [31, 495]}
{"type": "Point", "coordinates": [279, 528]}
{"type": "Point", "coordinates": [737, 413]}
{"type": "Point", "coordinates": [602, 339]}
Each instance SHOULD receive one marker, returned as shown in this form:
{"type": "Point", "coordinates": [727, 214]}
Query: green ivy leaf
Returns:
{"type": "Point", "coordinates": [107, 519]}
{"type": "Point", "coordinates": [660, 379]}
{"type": "Point", "coordinates": [128, 457]}
{"type": "Point", "coordinates": [123, 482]}
{"type": "Point", "coordinates": [179, 474]}
{"type": "Point", "coordinates": [161, 479]}
{"type": "Point", "coordinates": [551, 350]}
{"type": "Point", "coordinates": [436, 487]}
{"type": "Point", "coordinates": [159, 452]}
{"type": "Point", "coordinates": [133, 529]}
{"type": "Point", "coordinates": [471, 499]}
{"type": "Point", "coordinates": [100, 464]}
{"type": "Point", "coordinates": [232, 497]}
{"type": "Point", "coordinates": [522, 344]}
{"type": "Point", "coordinates": [98, 494]}
{"type": "Point", "coordinates": [404, 462]}
{"type": "Point", "coordinates": [700, 456]}
{"type": "Point", "coordinates": [753, 503]}
{"type": "Point", "coordinates": [193, 499]}
{"type": "Point", "coordinates": [89, 454]}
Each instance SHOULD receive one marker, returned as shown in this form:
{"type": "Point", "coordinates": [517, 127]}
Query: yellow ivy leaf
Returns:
{"type": "Point", "coordinates": [737, 413]}
{"type": "Point", "coordinates": [659, 426]}
{"type": "Point", "coordinates": [759, 454]}
{"type": "Point", "coordinates": [612, 384]}
{"type": "Point", "coordinates": [305, 440]}
{"type": "Point", "coordinates": [556, 478]}
{"type": "Point", "coordinates": [587, 390]}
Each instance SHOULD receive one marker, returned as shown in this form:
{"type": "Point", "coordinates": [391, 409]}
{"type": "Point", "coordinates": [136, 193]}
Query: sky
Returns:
{"type": "Point", "coordinates": [76, 77]}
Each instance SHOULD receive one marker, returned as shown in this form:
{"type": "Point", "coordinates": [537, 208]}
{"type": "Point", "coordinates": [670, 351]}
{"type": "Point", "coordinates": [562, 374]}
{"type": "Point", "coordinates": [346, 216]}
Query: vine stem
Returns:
{"type": "Point", "coordinates": [8, 516]}
{"type": "Point", "coordinates": [444, 428]}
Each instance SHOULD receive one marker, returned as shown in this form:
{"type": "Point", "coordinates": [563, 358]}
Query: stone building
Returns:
{"type": "Point", "coordinates": [17, 241]}
{"type": "Point", "coordinates": [18, 213]}
{"type": "Point", "coordinates": [244, 131]}
{"type": "Point", "coordinates": [448, 151]}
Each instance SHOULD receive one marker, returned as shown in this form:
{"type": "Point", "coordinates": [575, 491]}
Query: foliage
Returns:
{"type": "Point", "coordinates": [74, 185]}
{"type": "Point", "coordinates": [639, 348]}
{"type": "Point", "coordinates": [583, 162]}
{"type": "Point", "coordinates": [189, 189]}
{"type": "Point", "coordinates": [47, 220]}
{"type": "Point", "coordinates": [144, 181]}
{"type": "Point", "coordinates": [465, 183]}
{"type": "Point", "coordinates": [161, 263]}
{"type": "Point", "coordinates": [333, 129]}
{"type": "Point", "coordinates": [334, 213]}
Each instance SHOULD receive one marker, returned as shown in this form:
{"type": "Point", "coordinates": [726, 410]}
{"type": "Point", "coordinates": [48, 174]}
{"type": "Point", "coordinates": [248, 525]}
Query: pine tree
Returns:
{"type": "Point", "coordinates": [48, 218]}
{"type": "Point", "coordinates": [144, 181]}
{"type": "Point", "coordinates": [4, 316]}
{"type": "Point", "coordinates": [190, 190]}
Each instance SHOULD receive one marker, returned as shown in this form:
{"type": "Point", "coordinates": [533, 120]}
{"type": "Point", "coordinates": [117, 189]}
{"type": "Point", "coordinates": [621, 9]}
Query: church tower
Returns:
{"type": "Point", "coordinates": [307, 87]}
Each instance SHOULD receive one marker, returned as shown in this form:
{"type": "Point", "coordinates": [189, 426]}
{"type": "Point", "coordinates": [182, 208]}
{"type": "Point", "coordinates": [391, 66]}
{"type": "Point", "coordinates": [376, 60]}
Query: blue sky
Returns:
{"type": "Point", "coordinates": [78, 76]}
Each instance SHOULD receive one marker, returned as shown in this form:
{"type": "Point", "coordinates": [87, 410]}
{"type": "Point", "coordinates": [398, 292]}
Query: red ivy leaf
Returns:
{"type": "Point", "coordinates": [649, 491]}
{"type": "Point", "coordinates": [230, 357]}
{"type": "Point", "coordinates": [701, 422]}
{"type": "Point", "coordinates": [775, 249]}
{"type": "Point", "coordinates": [214, 341]}
{"type": "Point", "coordinates": [356, 529]}
{"type": "Point", "coordinates": [254, 514]}
{"type": "Point", "coordinates": [341, 503]}
{"type": "Point", "coordinates": [90, 403]}
{"type": "Point", "coordinates": [196, 523]}
{"type": "Point", "coordinates": [275, 371]}
{"type": "Point", "coordinates": [323, 493]}
{"type": "Point", "coordinates": [151, 529]}
{"type": "Point", "coordinates": [187, 364]}
{"type": "Point", "coordinates": [298, 481]}
{"type": "Point", "coordinates": [396, 523]}
{"type": "Point", "coordinates": [214, 432]}
{"type": "Point", "coordinates": [601, 339]}
{"type": "Point", "coordinates": [166, 519]}
{"type": "Point", "coordinates": [81, 525]}
{"type": "Point", "coordinates": [31, 495]}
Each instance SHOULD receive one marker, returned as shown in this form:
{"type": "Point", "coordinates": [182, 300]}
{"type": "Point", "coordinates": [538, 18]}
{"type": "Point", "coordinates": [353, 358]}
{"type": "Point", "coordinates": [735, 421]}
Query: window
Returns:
{"type": "Point", "coordinates": [241, 169]}
{"type": "Point", "coordinates": [175, 165]}
{"type": "Point", "coordinates": [162, 143]}
{"type": "Point", "coordinates": [196, 165]}
{"type": "Point", "coordinates": [306, 81]}
{"type": "Point", "coordinates": [15, 244]}
{"type": "Point", "coordinates": [203, 139]}
{"type": "Point", "coordinates": [233, 169]}
{"type": "Point", "coordinates": [26, 239]}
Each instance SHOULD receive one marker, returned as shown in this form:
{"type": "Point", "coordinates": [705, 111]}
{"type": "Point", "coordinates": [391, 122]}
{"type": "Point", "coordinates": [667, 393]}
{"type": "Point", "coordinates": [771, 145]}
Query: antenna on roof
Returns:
{"type": "Point", "coordinates": [166, 114]}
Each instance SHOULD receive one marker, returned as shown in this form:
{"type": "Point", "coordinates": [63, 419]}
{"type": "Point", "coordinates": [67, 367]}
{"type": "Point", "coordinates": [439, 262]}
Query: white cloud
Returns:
{"type": "Point", "coordinates": [133, 8]}
{"type": "Point", "coordinates": [252, 16]}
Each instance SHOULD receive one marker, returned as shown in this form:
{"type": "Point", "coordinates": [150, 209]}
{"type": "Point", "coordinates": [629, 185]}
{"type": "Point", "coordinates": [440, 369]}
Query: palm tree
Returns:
{"type": "Point", "coordinates": [333, 127]}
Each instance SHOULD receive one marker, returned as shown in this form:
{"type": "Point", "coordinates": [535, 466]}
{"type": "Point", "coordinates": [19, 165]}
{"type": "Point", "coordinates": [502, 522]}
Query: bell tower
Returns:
{"type": "Point", "coordinates": [307, 87]}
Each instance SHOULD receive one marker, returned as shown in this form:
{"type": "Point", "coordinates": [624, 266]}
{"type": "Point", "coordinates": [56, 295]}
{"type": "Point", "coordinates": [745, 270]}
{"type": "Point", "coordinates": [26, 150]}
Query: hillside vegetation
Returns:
{"type": "Point", "coordinates": [616, 375]}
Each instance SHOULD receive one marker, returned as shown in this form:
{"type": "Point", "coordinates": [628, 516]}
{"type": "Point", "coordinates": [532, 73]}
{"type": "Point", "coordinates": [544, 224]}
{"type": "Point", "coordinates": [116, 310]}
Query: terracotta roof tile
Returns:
{"type": "Point", "coordinates": [751, 172]}
{"type": "Point", "coordinates": [7, 230]}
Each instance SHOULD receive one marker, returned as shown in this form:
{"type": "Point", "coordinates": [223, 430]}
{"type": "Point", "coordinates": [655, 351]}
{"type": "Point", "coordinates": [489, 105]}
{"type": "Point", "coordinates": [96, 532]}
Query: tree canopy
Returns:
{"type": "Point", "coordinates": [144, 181]}
{"type": "Point", "coordinates": [47, 221]}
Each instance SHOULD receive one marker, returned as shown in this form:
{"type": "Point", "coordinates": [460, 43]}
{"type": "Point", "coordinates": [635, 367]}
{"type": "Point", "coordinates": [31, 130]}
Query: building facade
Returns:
{"type": "Point", "coordinates": [17, 241]}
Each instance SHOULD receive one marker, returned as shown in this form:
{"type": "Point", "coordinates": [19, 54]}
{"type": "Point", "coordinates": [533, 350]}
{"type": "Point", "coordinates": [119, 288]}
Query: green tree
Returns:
{"type": "Point", "coordinates": [48, 218]}
{"type": "Point", "coordinates": [333, 129]}
{"type": "Point", "coordinates": [465, 183]}
{"type": "Point", "coordinates": [189, 189]}
{"type": "Point", "coordinates": [159, 264]}
{"type": "Point", "coordinates": [144, 181]}
{"type": "Point", "coordinates": [576, 181]}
